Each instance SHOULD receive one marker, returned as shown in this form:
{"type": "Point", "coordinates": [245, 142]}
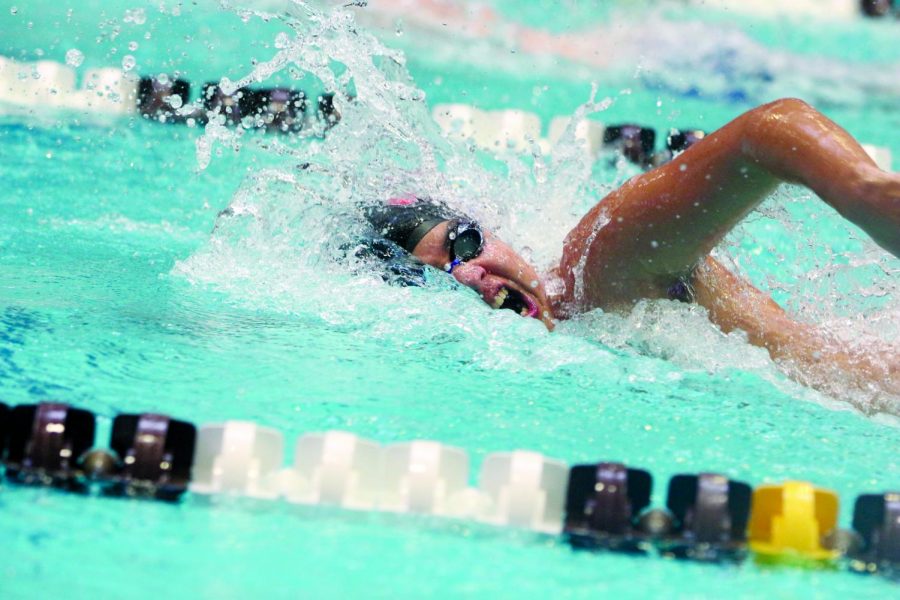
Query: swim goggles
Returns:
{"type": "Point", "coordinates": [465, 241]}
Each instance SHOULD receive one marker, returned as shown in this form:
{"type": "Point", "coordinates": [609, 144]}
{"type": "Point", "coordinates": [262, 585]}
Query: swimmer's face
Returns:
{"type": "Point", "coordinates": [500, 276]}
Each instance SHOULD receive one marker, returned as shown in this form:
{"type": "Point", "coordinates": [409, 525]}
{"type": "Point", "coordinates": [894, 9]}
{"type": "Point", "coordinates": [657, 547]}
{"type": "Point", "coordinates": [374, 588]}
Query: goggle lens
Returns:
{"type": "Point", "coordinates": [467, 244]}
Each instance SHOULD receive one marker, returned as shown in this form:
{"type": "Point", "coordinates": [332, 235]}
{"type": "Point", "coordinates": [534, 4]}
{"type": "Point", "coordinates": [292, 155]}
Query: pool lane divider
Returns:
{"type": "Point", "coordinates": [515, 130]}
{"type": "Point", "coordinates": [284, 110]}
{"type": "Point", "coordinates": [111, 91]}
{"type": "Point", "coordinates": [601, 506]}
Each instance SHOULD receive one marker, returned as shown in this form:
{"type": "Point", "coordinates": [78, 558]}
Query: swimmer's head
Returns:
{"type": "Point", "coordinates": [406, 220]}
{"type": "Point", "coordinates": [438, 236]}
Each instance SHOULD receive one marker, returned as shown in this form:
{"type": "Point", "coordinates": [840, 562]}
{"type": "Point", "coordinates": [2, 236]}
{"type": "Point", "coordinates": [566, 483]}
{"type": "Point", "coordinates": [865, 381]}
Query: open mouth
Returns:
{"type": "Point", "coordinates": [511, 299]}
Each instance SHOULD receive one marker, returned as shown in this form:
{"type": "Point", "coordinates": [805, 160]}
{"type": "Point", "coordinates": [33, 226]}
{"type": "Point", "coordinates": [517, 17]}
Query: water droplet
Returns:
{"type": "Point", "coordinates": [74, 58]}
{"type": "Point", "coordinates": [132, 46]}
{"type": "Point", "coordinates": [136, 16]}
{"type": "Point", "coordinates": [682, 168]}
{"type": "Point", "coordinates": [227, 86]}
{"type": "Point", "coordinates": [174, 101]}
{"type": "Point", "coordinates": [128, 62]}
{"type": "Point", "coordinates": [13, 10]}
{"type": "Point", "coordinates": [654, 244]}
{"type": "Point", "coordinates": [282, 41]}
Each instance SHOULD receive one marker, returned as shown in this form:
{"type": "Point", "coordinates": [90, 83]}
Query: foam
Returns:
{"type": "Point", "coordinates": [274, 251]}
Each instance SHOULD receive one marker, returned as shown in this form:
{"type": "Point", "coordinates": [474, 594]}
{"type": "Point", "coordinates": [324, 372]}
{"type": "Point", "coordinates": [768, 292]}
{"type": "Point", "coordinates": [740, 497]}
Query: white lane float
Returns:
{"type": "Point", "coordinates": [238, 458]}
{"type": "Point", "coordinates": [51, 84]}
{"type": "Point", "coordinates": [511, 130]}
{"type": "Point", "coordinates": [499, 130]}
{"type": "Point", "coordinates": [335, 468]}
{"type": "Point", "coordinates": [425, 477]}
{"type": "Point", "coordinates": [524, 489]}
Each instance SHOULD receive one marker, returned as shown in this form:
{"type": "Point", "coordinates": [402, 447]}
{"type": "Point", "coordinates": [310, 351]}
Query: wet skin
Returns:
{"type": "Point", "coordinates": [498, 267]}
{"type": "Point", "coordinates": [661, 226]}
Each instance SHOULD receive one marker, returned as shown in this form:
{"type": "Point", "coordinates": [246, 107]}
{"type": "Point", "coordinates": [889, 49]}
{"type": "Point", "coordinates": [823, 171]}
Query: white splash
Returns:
{"type": "Point", "coordinates": [277, 244]}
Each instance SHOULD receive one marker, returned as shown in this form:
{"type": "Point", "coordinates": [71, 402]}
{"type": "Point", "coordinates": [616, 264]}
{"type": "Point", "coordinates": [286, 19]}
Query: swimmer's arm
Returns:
{"type": "Point", "coordinates": [734, 303]}
{"type": "Point", "coordinates": [812, 357]}
{"type": "Point", "coordinates": [657, 226]}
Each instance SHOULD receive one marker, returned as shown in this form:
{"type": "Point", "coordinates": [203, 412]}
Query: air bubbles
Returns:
{"type": "Point", "coordinates": [128, 63]}
{"type": "Point", "coordinates": [14, 10]}
{"type": "Point", "coordinates": [174, 101]}
{"type": "Point", "coordinates": [136, 16]}
{"type": "Point", "coordinates": [227, 86]}
{"type": "Point", "coordinates": [132, 46]}
{"type": "Point", "coordinates": [74, 58]}
{"type": "Point", "coordinates": [282, 41]}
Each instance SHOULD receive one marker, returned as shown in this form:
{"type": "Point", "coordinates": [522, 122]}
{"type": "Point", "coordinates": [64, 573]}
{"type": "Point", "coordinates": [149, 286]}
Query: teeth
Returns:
{"type": "Point", "coordinates": [500, 298]}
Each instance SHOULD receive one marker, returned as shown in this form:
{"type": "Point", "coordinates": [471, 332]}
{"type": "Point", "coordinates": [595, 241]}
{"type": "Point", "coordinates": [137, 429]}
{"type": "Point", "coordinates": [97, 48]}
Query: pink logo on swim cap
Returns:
{"type": "Point", "coordinates": [403, 200]}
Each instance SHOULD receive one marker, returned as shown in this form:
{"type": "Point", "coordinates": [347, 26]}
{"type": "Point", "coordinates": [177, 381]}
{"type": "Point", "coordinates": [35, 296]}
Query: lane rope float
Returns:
{"type": "Point", "coordinates": [112, 92]}
{"type": "Point", "coordinates": [600, 506]}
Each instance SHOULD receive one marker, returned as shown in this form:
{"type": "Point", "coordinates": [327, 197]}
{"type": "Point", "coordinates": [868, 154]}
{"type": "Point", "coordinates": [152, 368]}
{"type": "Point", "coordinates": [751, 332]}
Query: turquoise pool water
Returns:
{"type": "Point", "coordinates": [114, 296]}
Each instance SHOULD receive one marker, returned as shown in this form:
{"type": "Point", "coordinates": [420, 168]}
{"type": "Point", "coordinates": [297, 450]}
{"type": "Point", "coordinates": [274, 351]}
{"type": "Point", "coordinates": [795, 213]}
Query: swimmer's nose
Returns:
{"type": "Point", "coordinates": [469, 275]}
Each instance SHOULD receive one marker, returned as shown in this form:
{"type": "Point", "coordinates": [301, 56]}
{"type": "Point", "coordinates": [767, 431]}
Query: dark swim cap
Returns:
{"type": "Point", "coordinates": [405, 221]}
{"type": "Point", "coordinates": [398, 225]}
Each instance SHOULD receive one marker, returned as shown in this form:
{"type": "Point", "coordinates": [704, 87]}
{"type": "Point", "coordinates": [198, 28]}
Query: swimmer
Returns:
{"type": "Point", "coordinates": [652, 238]}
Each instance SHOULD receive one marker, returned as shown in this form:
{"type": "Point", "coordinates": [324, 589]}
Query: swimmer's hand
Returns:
{"type": "Point", "coordinates": [806, 353]}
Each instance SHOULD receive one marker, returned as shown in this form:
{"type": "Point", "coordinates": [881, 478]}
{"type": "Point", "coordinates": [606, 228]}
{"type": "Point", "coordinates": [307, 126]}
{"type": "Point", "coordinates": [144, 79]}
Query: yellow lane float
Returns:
{"type": "Point", "coordinates": [790, 521]}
